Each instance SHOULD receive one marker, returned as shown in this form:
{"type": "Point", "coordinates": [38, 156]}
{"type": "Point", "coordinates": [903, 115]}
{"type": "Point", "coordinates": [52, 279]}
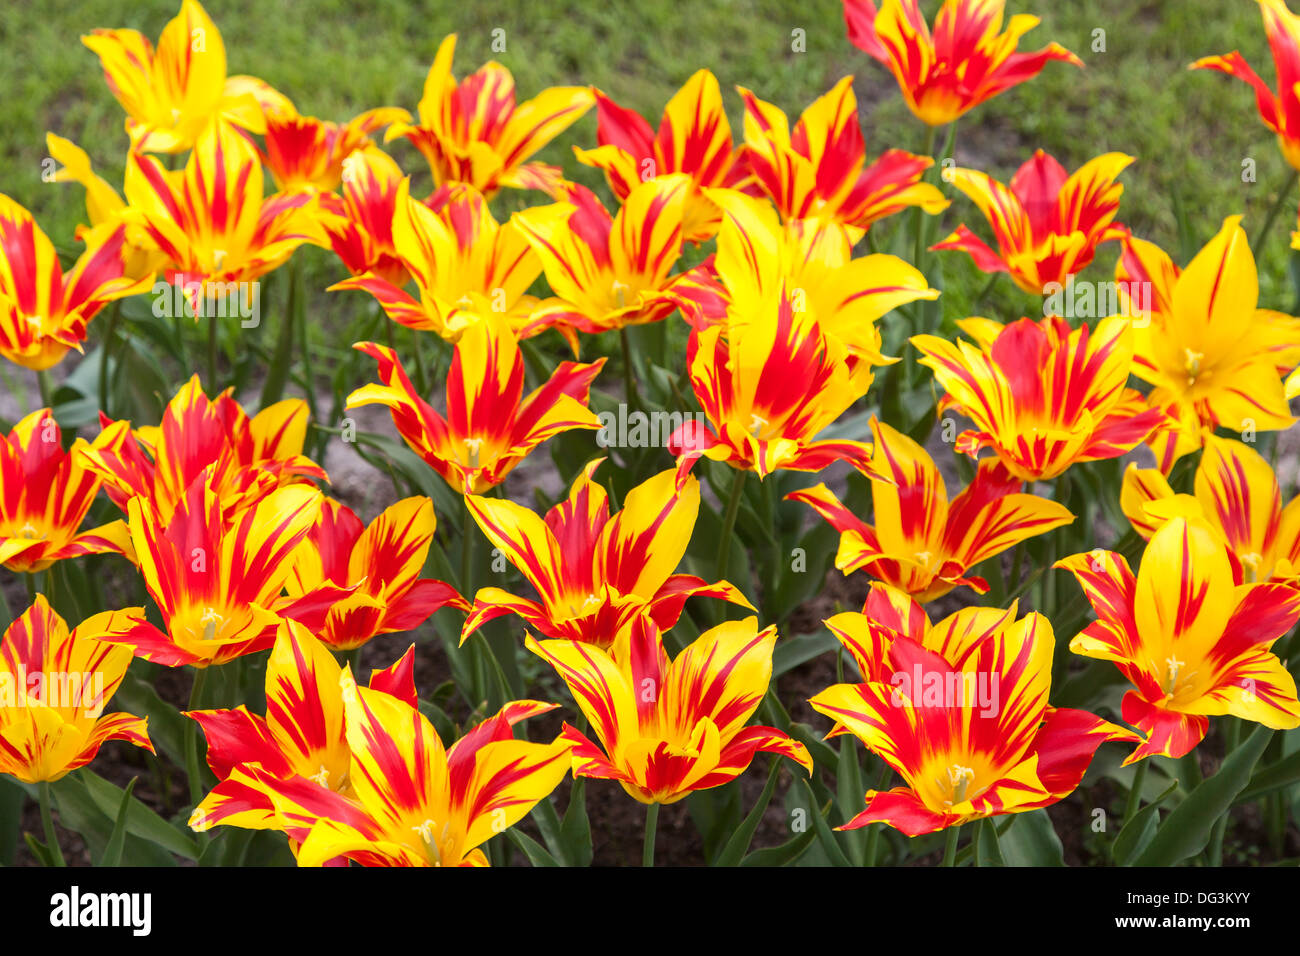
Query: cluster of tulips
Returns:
{"type": "Point", "coordinates": [265, 588]}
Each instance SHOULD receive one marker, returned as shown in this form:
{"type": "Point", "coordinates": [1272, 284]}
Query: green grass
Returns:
{"type": "Point", "coordinates": [1190, 131]}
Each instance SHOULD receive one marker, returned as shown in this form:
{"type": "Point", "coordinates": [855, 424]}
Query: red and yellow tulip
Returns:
{"type": "Point", "coordinates": [104, 209]}
{"type": "Point", "coordinates": [302, 734]}
{"type": "Point", "coordinates": [1280, 111]}
{"type": "Point", "coordinates": [959, 710]}
{"type": "Point", "coordinates": [378, 565]}
{"type": "Point", "coordinates": [248, 457]}
{"type": "Point", "coordinates": [45, 494]}
{"type": "Point", "coordinates": [1212, 356]}
{"type": "Point", "coordinates": [920, 543]}
{"type": "Point", "coordinates": [490, 426]}
{"type": "Point", "coordinates": [358, 226]}
{"type": "Point", "coordinates": [742, 375]}
{"type": "Point", "coordinates": [595, 573]}
{"type": "Point", "coordinates": [609, 272]}
{"type": "Point", "coordinates": [669, 728]}
{"type": "Point", "coordinates": [694, 137]}
{"type": "Point", "coordinates": [43, 311]}
{"type": "Point", "coordinates": [1193, 642]}
{"type": "Point", "coordinates": [54, 685]}
{"type": "Point", "coordinates": [465, 266]}
{"type": "Point", "coordinates": [170, 95]}
{"type": "Point", "coordinates": [819, 170]}
{"type": "Point", "coordinates": [217, 578]}
{"type": "Point", "coordinates": [473, 132]}
{"type": "Point", "coordinates": [814, 259]}
{"type": "Point", "coordinates": [1047, 222]}
{"type": "Point", "coordinates": [412, 803]}
{"type": "Point", "coordinates": [967, 59]}
{"type": "Point", "coordinates": [1238, 496]}
{"type": "Point", "coordinates": [1042, 395]}
{"type": "Point", "coordinates": [211, 220]}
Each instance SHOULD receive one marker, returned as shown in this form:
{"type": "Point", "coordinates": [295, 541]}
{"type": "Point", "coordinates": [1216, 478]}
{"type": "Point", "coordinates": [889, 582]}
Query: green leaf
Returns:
{"type": "Point", "coordinates": [141, 821]}
{"type": "Point", "coordinates": [849, 789]}
{"type": "Point", "coordinates": [113, 851]}
{"type": "Point", "coordinates": [988, 851]}
{"type": "Point", "coordinates": [1186, 830]}
{"type": "Point", "coordinates": [80, 813]}
{"type": "Point", "coordinates": [166, 725]}
{"type": "Point", "coordinates": [39, 850]}
{"type": "Point", "coordinates": [535, 852]}
{"type": "Point", "coordinates": [1137, 833]}
{"type": "Point", "coordinates": [782, 855]}
{"type": "Point", "coordinates": [1031, 840]}
{"type": "Point", "coordinates": [793, 651]}
{"type": "Point", "coordinates": [825, 835]}
{"type": "Point", "coordinates": [575, 829]}
{"type": "Point", "coordinates": [1275, 776]}
{"type": "Point", "coordinates": [736, 848]}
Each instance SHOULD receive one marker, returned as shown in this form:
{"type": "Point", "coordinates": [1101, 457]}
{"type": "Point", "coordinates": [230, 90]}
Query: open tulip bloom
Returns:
{"type": "Point", "coordinates": [594, 573]}
{"type": "Point", "coordinates": [921, 543]}
{"type": "Point", "coordinates": [668, 728]}
{"type": "Point", "coordinates": [1191, 638]}
{"type": "Point", "coordinates": [967, 59]}
{"type": "Point", "coordinates": [959, 710]}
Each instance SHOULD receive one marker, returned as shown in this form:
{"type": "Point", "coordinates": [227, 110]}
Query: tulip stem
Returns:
{"type": "Point", "coordinates": [47, 388]}
{"type": "Point", "coordinates": [212, 352]}
{"type": "Point", "coordinates": [192, 737]}
{"type": "Point", "coordinates": [51, 837]}
{"type": "Point", "coordinates": [1273, 211]}
{"type": "Point", "coordinates": [651, 825]}
{"type": "Point", "coordinates": [1135, 791]}
{"type": "Point", "coordinates": [629, 372]}
{"type": "Point", "coordinates": [114, 316]}
{"type": "Point", "coordinates": [918, 220]}
{"type": "Point", "coordinates": [729, 523]}
{"type": "Point", "coordinates": [950, 847]}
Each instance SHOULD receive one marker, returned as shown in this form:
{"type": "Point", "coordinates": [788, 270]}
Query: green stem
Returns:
{"type": "Point", "coordinates": [651, 824]}
{"type": "Point", "coordinates": [47, 820]}
{"type": "Point", "coordinates": [1135, 791]}
{"type": "Point", "coordinates": [46, 386]}
{"type": "Point", "coordinates": [629, 372]}
{"type": "Point", "coordinates": [212, 353]}
{"type": "Point", "coordinates": [114, 317]}
{"type": "Point", "coordinates": [918, 220]}
{"type": "Point", "coordinates": [729, 523]}
{"type": "Point", "coordinates": [192, 762]}
{"type": "Point", "coordinates": [1273, 211]}
{"type": "Point", "coordinates": [950, 847]}
{"type": "Point", "coordinates": [873, 835]}
{"type": "Point", "coordinates": [984, 292]}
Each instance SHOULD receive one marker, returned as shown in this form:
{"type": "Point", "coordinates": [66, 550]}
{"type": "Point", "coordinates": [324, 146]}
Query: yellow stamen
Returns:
{"type": "Point", "coordinates": [474, 447]}
{"type": "Point", "coordinates": [1250, 565]}
{"type": "Point", "coordinates": [620, 293]}
{"type": "Point", "coordinates": [321, 777]}
{"type": "Point", "coordinates": [757, 424]}
{"type": "Point", "coordinates": [959, 779]}
{"type": "Point", "coordinates": [211, 620]}
{"type": "Point", "coordinates": [1192, 364]}
{"type": "Point", "coordinates": [1173, 664]}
